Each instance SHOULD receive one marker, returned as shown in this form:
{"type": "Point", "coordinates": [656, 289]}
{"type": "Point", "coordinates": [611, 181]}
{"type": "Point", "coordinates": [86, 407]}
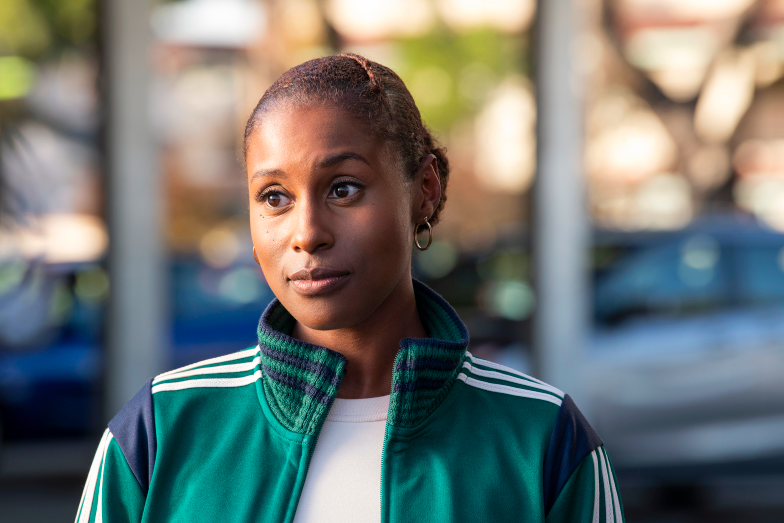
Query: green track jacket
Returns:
{"type": "Point", "coordinates": [230, 439]}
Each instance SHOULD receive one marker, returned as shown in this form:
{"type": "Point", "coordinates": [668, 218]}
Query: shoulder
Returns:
{"type": "Point", "coordinates": [488, 376]}
{"type": "Point", "coordinates": [566, 434]}
{"type": "Point", "coordinates": [511, 402]}
{"type": "Point", "coordinates": [134, 427]}
{"type": "Point", "coordinates": [232, 370]}
{"type": "Point", "coordinates": [571, 441]}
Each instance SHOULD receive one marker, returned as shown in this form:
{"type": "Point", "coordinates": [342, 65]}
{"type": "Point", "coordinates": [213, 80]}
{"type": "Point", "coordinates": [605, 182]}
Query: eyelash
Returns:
{"type": "Point", "coordinates": [352, 183]}
{"type": "Point", "coordinates": [262, 193]}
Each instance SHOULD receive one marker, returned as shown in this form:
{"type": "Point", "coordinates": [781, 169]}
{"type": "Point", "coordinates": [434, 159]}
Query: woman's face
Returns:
{"type": "Point", "coordinates": [331, 214]}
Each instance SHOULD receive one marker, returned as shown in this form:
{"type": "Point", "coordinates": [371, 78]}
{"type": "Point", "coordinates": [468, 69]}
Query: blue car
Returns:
{"type": "Point", "coordinates": [51, 336]}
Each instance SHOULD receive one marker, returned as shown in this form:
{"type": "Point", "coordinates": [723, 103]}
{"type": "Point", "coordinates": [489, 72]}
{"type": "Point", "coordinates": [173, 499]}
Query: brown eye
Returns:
{"type": "Point", "coordinates": [343, 190]}
{"type": "Point", "coordinates": [275, 199]}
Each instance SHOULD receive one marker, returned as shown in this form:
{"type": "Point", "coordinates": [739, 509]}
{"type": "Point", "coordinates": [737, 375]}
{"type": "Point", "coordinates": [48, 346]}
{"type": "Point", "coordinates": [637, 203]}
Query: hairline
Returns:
{"type": "Point", "coordinates": [341, 102]}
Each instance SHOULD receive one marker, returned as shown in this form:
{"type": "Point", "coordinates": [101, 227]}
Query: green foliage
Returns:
{"type": "Point", "coordinates": [449, 73]}
{"type": "Point", "coordinates": [73, 22]}
{"type": "Point", "coordinates": [33, 28]}
{"type": "Point", "coordinates": [23, 29]}
{"type": "Point", "coordinates": [16, 77]}
{"type": "Point", "coordinates": [505, 265]}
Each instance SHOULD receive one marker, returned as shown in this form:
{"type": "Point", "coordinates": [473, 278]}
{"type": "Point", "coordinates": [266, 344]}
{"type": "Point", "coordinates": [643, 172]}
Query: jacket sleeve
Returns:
{"type": "Point", "coordinates": [112, 493]}
{"type": "Point", "coordinates": [122, 469]}
{"type": "Point", "coordinates": [579, 482]}
{"type": "Point", "coordinates": [590, 495]}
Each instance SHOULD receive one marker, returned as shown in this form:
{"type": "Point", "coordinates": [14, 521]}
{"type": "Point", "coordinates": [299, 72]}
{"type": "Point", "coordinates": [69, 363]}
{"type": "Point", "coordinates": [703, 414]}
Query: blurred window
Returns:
{"type": "Point", "coordinates": [687, 277]}
{"type": "Point", "coordinates": [761, 274]}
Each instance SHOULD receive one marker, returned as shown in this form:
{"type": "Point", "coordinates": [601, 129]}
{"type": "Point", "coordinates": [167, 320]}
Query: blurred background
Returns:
{"type": "Point", "coordinates": [615, 221]}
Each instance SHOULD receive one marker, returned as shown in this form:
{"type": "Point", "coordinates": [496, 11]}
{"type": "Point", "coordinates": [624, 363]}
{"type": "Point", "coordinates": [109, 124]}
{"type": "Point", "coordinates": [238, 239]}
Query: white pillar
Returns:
{"type": "Point", "coordinates": [560, 223]}
{"type": "Point", "coordinates": [134, 196]}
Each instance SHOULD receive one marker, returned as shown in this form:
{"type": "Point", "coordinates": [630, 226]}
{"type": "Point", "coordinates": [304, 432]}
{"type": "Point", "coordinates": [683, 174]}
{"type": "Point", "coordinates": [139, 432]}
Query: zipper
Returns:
{"type": "Point", "coordinates": [383, 455]}
{"type": "Point", "coordinates": [311, 451]}
{"type": "Point", "coordinates": [312, 448]}
{"type": "Point", "coordinates": [318, 432]}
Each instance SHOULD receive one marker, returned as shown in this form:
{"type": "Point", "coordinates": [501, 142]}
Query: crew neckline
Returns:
{"type": "Point", "coordinates": [359, 410]}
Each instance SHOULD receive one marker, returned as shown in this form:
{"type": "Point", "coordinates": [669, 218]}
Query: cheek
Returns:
{"type": "Point", "coordinates": [268, 240]}
{"type": "Point", "coordinates": [382, 237]}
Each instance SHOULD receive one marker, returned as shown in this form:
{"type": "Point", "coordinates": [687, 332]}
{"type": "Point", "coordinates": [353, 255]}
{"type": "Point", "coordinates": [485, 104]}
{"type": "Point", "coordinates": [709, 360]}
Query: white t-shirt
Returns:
{"type": "Point", "coordinates": [344, 479]}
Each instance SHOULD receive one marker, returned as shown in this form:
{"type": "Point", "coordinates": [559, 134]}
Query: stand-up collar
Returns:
{"type": "Point", "coordinates": [301, 380]}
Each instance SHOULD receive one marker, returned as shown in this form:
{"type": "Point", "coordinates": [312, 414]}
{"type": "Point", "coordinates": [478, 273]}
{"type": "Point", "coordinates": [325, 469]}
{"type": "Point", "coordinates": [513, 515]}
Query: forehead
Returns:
{"type": "Point", "coordinates": [306, 132]}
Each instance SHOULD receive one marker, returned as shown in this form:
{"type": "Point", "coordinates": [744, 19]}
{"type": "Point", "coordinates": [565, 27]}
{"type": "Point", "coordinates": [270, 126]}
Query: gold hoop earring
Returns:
{"type": "Point", "coordinates": [256, 257]}
{"type": "Point", "coordinates": [430, 235]}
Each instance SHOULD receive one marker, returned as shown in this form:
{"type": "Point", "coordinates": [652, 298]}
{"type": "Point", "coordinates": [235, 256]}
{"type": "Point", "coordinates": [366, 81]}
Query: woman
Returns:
{"type": "Point", "coordinates": [360, 402]}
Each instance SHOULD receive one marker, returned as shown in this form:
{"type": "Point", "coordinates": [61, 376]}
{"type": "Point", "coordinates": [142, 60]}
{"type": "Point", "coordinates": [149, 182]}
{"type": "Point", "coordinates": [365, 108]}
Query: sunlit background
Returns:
{"type": "Point", "coordinates": [682, 169]}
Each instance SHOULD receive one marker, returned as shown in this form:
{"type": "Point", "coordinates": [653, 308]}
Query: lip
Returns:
{"type": "Point", "coordinates": [315, 281]}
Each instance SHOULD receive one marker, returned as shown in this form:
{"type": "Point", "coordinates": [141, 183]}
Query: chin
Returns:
{"type": "Point", "coordinates": [346, 308]}
{"type": "Point", "coordinates": [324, 314]}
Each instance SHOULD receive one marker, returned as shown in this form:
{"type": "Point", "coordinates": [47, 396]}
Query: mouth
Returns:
{"type": "Point", "coordinates": [314, 281]}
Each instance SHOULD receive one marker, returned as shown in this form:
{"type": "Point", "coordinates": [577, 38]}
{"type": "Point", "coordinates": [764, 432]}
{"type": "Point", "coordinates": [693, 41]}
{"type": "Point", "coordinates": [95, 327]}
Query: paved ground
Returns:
{"type": "Point", "coordinates": [39, 501]}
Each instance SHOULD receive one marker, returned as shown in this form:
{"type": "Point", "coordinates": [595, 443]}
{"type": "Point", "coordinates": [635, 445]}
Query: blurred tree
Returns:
{"type": "Point", "coordinates": [450, 73]}
{"type": "Point", "coordinates": [36, 30]}
{"type": "Point", "coordinates": [23, 29]}
{"type": "Point", "coordinates": [6, 202]}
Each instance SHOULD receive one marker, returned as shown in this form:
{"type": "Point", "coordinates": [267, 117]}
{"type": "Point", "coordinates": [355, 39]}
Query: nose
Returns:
{"type": "Point", "coordinates": [311, 228]}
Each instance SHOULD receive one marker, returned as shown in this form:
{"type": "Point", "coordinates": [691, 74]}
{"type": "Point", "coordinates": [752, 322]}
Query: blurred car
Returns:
{"type": "Point", "coordinates": [685, 365]}
{"type": "Point", "coordinates": [51, 336]}
{"type": "Point", "coordinates": [215, 311]}
{"type": "Point", "coordinates": [50, 327]}
{"type": "Point", "coordinates": [685, 359]}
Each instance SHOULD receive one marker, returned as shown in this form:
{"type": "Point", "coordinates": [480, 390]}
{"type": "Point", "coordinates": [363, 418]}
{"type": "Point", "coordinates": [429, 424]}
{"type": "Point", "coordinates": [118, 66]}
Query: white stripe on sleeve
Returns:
{"type": "Point", "coordinates": [86, 504]}
{"type": "Point", "coordinates": [215, 382]}
{"type": "Point", "coordinates": [220, 359]}
{"type": "Point", "coordinates": [512, 391]}
{"type": "Point", "coordinates": [506, 377]}
{"type": "Point", "coordinates": [219, 369]}
{"type": "Point", "coordinates": [608, 503]}
{"type": "Point", "coordinates": [595, 488]}
{"type": "Point", "coordinates": [99, 510]}
{"type": "Point", "coordinates": [616, 502]}
{"type": "Point", "coordinates": [493, 365]}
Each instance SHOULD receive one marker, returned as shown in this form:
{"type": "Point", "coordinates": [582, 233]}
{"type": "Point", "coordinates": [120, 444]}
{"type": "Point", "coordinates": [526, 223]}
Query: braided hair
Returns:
{"type": "Point", "coordinates": [372, 93]}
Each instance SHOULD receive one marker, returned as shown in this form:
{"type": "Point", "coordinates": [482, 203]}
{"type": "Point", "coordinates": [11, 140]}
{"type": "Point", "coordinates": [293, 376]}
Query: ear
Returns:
{"type": "Point", "coordinates": [428, 190]}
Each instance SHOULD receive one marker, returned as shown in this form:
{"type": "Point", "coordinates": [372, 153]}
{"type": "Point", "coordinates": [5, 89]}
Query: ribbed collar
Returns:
{"type": "Point", "coordinates": [301, 380]}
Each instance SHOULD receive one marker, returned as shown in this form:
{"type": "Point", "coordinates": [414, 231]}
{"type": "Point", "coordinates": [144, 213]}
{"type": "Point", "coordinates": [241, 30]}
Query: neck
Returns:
{"type": "Point", "coordinates": [371, 346]}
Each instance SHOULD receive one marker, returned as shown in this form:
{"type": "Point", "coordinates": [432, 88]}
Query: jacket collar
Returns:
{"type": "Point", "coordinates": [301, 380]}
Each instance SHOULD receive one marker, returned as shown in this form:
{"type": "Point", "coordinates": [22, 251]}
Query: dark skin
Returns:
{"type": "Point", "coordinates": [332, 216]}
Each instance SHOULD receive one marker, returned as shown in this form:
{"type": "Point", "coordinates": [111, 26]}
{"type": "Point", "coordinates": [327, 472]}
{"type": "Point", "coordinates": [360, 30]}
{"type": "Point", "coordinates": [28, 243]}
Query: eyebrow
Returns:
{"type": "Point", "coordinates": [329, 161]}
{"type": "Point", "coordinates": [335, 159]}
{"type": "Point", "coordinates": [268, 173]}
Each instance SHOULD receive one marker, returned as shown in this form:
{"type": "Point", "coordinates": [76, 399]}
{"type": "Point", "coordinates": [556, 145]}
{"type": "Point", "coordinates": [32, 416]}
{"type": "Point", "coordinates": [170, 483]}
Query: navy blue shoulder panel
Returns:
{"type": "Point", "coordinates": [572, 440]}
{"type": "Point", "coordinates": [134, 429]}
